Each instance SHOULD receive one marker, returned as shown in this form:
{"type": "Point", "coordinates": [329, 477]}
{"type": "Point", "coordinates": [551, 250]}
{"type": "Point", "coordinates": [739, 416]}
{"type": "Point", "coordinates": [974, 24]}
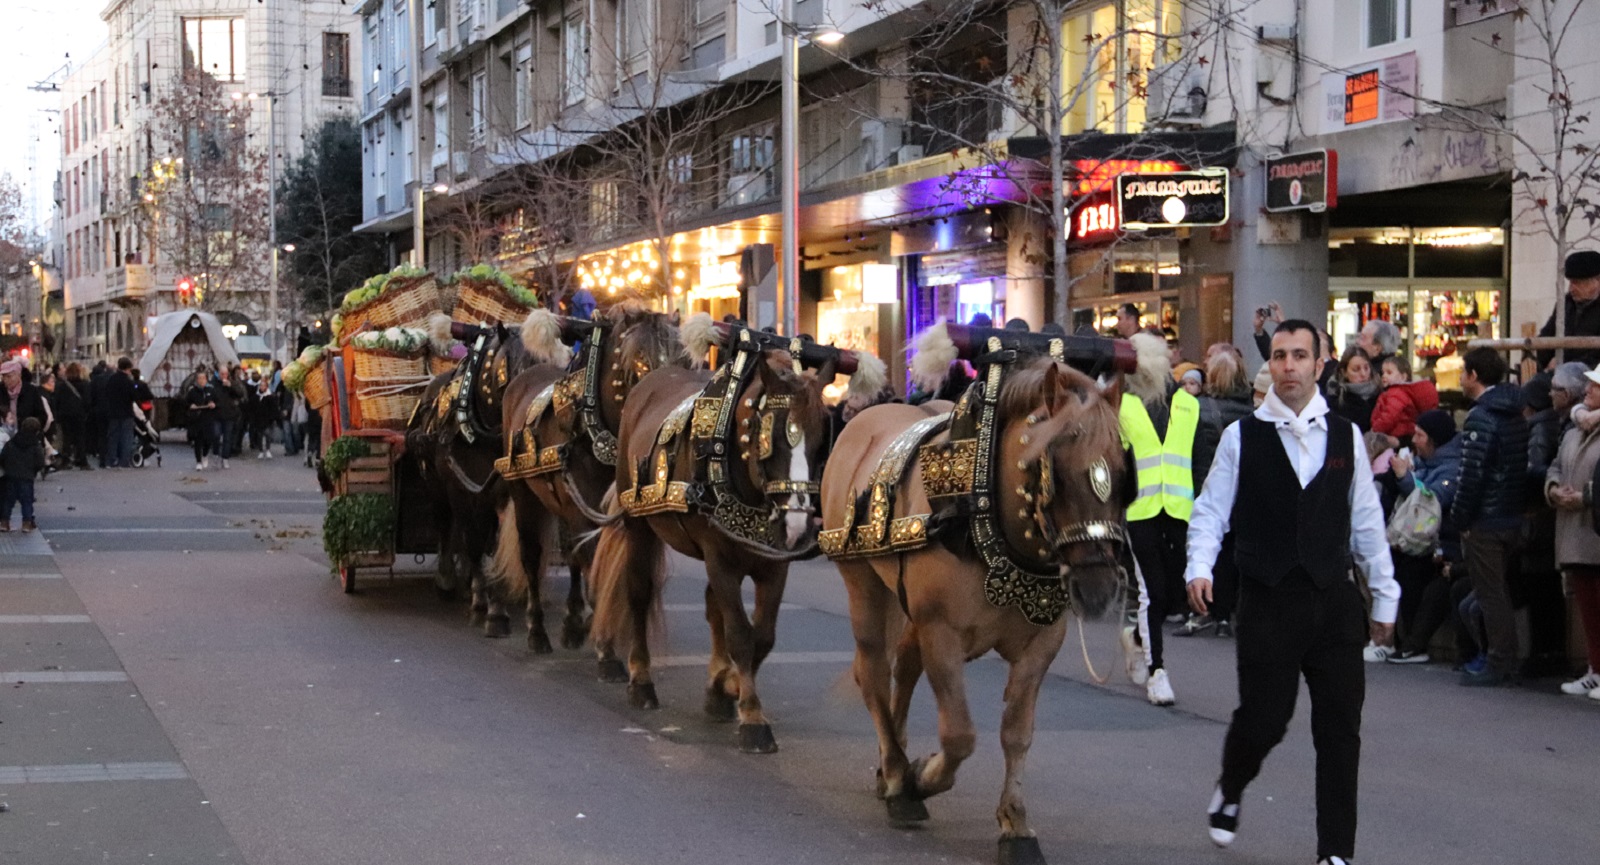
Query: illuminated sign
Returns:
{"type": "Point", "coordinates": [1183, 198]}
{"type": "Point", "coordinates": [1303, 181]}
{"type": "Point", "coordinates": [234, 331]}
{"type": "Point", "coordinates": [1375, 93]}
{"type": "Point", "coordinates": [1361, 97]}
{"type": "Point", "coordinates": [1094, 219]}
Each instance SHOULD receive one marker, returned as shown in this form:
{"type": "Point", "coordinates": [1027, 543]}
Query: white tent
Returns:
{"type": "Point", "coordinates": [174, 354]}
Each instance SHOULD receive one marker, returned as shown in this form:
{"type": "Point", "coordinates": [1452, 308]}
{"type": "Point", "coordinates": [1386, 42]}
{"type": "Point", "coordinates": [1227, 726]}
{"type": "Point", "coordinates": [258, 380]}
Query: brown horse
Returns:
{"type": "Point", "coordinates": [454, 435]}
{"type": "Point", "coordinates": [974, 563]}
{"type": "Point", "coordinates": [565, 426]}
{"type": "Point", "coordinates": [722, 469]}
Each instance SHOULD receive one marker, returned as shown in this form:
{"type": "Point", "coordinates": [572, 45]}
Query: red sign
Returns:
{"type": "Point", "coordinates": [1361, 97]}
{"type": "Point", "coordinates": [1100, 175]}
{"type": "Point", "coordinates": [1093, 220]}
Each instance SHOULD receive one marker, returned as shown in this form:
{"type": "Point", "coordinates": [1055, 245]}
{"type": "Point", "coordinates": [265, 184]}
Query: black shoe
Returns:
{"type": "Point", "coordinates": [1408, 656]}
{"type": "Point", "coordinates": [1224, 818]}
{"type": "Point", "coordinates": [1224, 628]}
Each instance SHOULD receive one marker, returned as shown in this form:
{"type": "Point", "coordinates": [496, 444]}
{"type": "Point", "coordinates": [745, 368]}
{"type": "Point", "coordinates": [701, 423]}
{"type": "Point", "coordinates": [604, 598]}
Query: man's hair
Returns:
{"type": "Point", "coordinates": [124, 363]}
{"type": "Point", "coordinates": [1296, 325]}
{"type": "Point", "coordinates": [1385, 334]}
{"type": "Point", "coordinates": [1569, 377]}
{"type": "Point", "coordinates": [1129, 309]}
{"type": "Point", "coordinates": [1400, 363]}
{"type": "Point", "coordinates": [30, 425]}
{"type": "Point", "coordinates": [1486, 364]}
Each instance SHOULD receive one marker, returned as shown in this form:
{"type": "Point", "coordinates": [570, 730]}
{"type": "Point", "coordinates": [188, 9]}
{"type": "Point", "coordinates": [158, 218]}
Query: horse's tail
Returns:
{"type": "Point", "coordinates": [507, 570]}
{"type": "Point", "coordinates": [628, 572]}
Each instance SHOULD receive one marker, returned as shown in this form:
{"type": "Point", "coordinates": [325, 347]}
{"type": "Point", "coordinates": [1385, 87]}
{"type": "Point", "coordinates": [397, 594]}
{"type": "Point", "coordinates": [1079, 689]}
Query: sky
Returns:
{"type": "Point", "coordinates": [45, 36]}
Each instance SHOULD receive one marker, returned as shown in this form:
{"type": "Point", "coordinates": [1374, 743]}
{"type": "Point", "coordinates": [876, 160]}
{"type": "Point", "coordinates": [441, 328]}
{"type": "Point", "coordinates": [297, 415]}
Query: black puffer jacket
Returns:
{"type": "Point", "coordinates": [1216, 415]}
{"type": "Point", "coordinates": [1494, 462]}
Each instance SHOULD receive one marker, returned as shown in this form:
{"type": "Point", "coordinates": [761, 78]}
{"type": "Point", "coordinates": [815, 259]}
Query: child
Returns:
{"type": "Point", "coordinates": [1402, 400]}
{"type": "Point", "coordinates": [21, 460]}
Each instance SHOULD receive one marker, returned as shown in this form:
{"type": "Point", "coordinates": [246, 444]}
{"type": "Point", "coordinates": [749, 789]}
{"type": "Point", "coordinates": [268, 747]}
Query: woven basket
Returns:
{"type": "Point", "coordinates": [486, 302]}
{"type": "Point", "coordinates": [316, 386]}
{"type": "Point", "coordinates": [407, 302]}
{"type": "Point", "coordinates": [387, 386]}
{"type": "Point", "coordinates": [439, 365]}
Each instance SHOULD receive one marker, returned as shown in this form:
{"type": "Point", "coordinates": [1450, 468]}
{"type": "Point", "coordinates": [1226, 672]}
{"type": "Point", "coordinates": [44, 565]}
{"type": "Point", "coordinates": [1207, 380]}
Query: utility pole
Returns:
{"type": "Point", "coordinates": [419, 252]}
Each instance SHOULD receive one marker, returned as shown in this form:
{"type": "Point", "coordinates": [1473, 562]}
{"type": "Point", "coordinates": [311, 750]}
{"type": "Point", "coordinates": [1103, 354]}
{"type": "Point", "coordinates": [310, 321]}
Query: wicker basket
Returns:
{"type": "Point", "coordinates": [407, 302]}
{"type": "Point", "coordinates": [387, 386]}
{"type": "Point", "coordinates": [486, 302]}
{"type": "Point", "coordinates": [440, 365]}
{"type": "Point", "coordinates": [316, 386]}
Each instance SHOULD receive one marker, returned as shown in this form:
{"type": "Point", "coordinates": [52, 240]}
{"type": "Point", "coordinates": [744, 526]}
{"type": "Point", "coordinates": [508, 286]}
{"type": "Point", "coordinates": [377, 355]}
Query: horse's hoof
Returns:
{"type": "Point", "coordinates": [757, 739]}
{"type": "Point", "coordinates": [539, 644]}
{"type": "Point", "coordinates": [475, 618]}
{"type": "Point", "coordinates": [904, 809]}
{"type": "Point", "coordinates": [643, 696]}
{"type": "Point", "coordinates": [881, 786]}
{"type": "Point", "coordinates": [719, 706]}
{"type": "Point", "coordinates": [573, 634]}
{"type": "Point", "coordinates": [1021, 851]}
{"type": "Point", "coordinates": [613, 670]}
{"type": "Point", "coordinates": [497, 627]}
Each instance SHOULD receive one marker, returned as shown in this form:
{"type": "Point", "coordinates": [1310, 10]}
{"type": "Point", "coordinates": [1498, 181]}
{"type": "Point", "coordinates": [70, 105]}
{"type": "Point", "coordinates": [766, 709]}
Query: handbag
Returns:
{"type": "Point", "coordinates": [1414, 527]}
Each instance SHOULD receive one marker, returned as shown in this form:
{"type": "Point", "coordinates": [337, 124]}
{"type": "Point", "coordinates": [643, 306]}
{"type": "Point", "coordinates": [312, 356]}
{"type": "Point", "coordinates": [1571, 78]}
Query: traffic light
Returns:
{"type": "Point", "coordinates": [185, 290]}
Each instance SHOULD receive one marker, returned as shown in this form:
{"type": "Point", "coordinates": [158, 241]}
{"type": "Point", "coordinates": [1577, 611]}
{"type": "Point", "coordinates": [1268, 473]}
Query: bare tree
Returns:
{"type": "Point", "coordinates": [204, 196]}
{"type": "Point", "coordinates": [319, 203]}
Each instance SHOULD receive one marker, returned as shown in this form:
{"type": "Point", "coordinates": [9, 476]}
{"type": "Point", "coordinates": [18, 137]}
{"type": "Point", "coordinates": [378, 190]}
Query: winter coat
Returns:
{"type": "Point", "coordinates": [1581, 321]}
{"type": "Point", "coordinates": [1216, 415]}
{"type": "Point", "coordinates": [1544, 438]}
{"type": "Point", "coordinates": [119, 394]}
{"type": "Point", "coordinates": [229, 396]}
{"type": "Point", "coordinates": [1440, 474]}
{"type": "Point", "coordinates": [1354, 408]}
{"type": "Point", "coordinates": [23, 456]}
{"type": "Point", "coordinates": [265, 410]}
{"type": "Point", "coordinates": [1576, 541]}
{"type": "Point", "coordinates": [1395, 413]}
{"type": "Point", "coordinates": [30, 403]}
{"type": "Point", "coordinates": [1494, 461]}
{"type": "Point", "coordinates": [72, 405]}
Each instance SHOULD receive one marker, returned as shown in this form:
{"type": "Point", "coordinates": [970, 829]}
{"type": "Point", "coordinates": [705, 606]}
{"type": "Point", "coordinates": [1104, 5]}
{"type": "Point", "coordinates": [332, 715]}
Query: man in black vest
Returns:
{"type": "Point", "coordinates": [1295, 486]}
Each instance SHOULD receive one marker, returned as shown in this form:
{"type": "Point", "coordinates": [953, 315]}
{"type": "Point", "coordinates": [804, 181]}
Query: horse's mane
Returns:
{"type": "Point", "coordinates": [647, 334]}
{"type": "Point", "coordinates": [1025, 390]}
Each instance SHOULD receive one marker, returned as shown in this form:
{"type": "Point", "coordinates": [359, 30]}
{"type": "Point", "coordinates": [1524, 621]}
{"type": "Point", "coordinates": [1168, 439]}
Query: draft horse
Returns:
{"type": "Point", "coordinates": [562, 452]}
{"type": "Point", "coordinates": [455, 435]}
{"type": "Point", "coordinates": [973, 529]}
{"type": "Point", "coordinates": [722, 468]}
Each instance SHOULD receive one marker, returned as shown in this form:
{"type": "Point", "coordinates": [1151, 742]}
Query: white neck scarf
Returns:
{"type": "Point", "coordinates": [1275, 411]}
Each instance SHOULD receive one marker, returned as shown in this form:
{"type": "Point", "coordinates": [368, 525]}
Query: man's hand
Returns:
{"type": "Point", "coordinates": [1200, 595]}
{"type": "Point", "coordinates": [1382, 633]}
{"type": "Point", "coordinates": [1277, 311]}
{"type": "Point", "coordinates": [1259, 321]}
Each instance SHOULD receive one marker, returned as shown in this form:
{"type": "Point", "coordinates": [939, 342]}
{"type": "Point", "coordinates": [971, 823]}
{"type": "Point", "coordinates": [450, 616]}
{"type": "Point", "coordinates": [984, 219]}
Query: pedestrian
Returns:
{"type": "Point", "coordinates": [1127, 320]}
{"type": "Point", "coordinates": [1293, 486]}
{"type": "Point", "coordinates": [1577, 546]}
{"type": "Point", "coordinates": [119, 394]}
{"type": "Point", "coordinates": [1537, 587]}
{"type": "Point", "coordinates": [1357, 390]}
{"type": "Point", "coordinates": [230, 393]}
{"type": "Point", "coordinates": [1378, 339]}
{"type": "Point", "coordinates": [21, 460]}
{"type": "Point", "coordinates": [1273, 313]}
{"type": "Point", "coordinates": [1192, 380]}
{"type": "Point", "coordinates": [1489, 503]}
{"type": "Point", "coordinates": [1227, 399]}
{"type": "Point", "coordinates": [20, 399]}
{"type": "Point", "coordinates": [1424, 580]}
{"type": "Point", "coordinates": [1395, 411]}
{"type": "Point", "coordinates": [201, 402]}
{"type": "Point", "coordinates": [265, 420]}
{"type": "Point", "coordinates": [97, 411]}
{"type": "Point", "coordinates": [1578, 309]}
{"type": "Point", "coordinates": [1158, 427]}
{"type": "Point", "coordinates": [72, 413]}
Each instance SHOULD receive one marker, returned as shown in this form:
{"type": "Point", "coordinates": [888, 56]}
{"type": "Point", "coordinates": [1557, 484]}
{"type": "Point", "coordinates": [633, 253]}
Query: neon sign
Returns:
{"type": "Point", "coordinates": [1094, 220]}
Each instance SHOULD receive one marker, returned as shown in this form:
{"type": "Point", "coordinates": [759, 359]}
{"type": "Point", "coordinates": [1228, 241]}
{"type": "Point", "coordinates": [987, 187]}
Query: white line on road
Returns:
{"type": "Point", "coordinates": [93, 772]}
{"type": "Point", "coordinates": [8, 576]}
{"type": "Point", "coordinates": [61, 677]}
{"type": "Point", "coordinates": [44, 620]}
{"type": "Point", "coordinates": [774, 658]}
{"type": "Point", "coordinates": [138, 531]}
{"type": "Point", "coordinates": [700, 608]}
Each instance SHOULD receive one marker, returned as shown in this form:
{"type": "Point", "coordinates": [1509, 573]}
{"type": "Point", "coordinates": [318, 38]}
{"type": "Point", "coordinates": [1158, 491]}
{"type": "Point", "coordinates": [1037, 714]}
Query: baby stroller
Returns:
{"type": "Point", "coordinates": [146, 442]}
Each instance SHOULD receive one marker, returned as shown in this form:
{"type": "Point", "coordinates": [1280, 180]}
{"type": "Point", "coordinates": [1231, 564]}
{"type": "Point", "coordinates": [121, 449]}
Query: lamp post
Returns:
{"type": "Point", "coordinates": [419, 250]}
{"type": "Point", "coordinates": [789, 296]}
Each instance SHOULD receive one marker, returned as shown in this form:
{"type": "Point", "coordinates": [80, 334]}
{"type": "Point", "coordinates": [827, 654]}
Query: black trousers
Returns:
{"type": "Point", "coordinates": [1282, 634]}
{"type": "Point", "coordinates": [1159, 545]}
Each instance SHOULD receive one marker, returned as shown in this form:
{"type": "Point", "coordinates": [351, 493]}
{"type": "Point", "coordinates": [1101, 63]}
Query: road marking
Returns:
{"type": "Point", "coordinates": [700, 608]}
{"type": "Point", "coordinates": [44, 620]}
{"type": "Point", "coordinates": [61, 677]}
{"type": "Point", "coordinates": [93, 772]}
{"type": "Point", "coordinates": [9, 576]}
{"type": "Point", "coordinates": [774, 658]}
{"type": "Point", "coordinates": [184, 531]}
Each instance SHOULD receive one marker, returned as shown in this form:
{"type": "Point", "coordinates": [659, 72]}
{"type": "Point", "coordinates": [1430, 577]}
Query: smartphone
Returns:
{"type": "Point", "coordinates": [1264, 312]}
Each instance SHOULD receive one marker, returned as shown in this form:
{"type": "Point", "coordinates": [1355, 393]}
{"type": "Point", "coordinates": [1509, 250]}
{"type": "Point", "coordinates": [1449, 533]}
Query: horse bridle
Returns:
{"type": "Point", "coordinates": [1059, 540]}
{"type": "Point", "coordinates": [773, 412]}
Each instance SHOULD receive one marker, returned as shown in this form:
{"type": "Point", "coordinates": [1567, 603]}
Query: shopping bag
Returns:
{"type": "Point", "coordinates": [1414, 527]}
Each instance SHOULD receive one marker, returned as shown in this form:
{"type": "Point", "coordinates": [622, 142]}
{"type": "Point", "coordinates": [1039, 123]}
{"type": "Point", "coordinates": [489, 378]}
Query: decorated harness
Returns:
{"type": "Point", "coordinates": [575, 399]}
{"type": "Point", "coordinates": [960, 477]}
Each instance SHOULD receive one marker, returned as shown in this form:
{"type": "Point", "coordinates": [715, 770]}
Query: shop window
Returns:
{"type": "Point", "coordinates": [1111, 52]}
{"type": "Point", "coordinates": [1387, 21]}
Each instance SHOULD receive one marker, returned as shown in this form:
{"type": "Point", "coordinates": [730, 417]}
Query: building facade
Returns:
{"type": "Point", "coordinates": [300, 55]}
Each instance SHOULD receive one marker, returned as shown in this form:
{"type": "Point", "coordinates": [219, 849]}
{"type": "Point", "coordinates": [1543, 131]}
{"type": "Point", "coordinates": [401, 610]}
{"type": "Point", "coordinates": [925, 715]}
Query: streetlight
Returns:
{"type": "Point", "coordinates": [272, 211]}
{"type": "Point", "coordinates": [789, 300]}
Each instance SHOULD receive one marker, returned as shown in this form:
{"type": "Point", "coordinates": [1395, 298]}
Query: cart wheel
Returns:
{"type": "Point", "coordinates": [138, 460]}
{"type": "Point", "coordinates": [347, 579]}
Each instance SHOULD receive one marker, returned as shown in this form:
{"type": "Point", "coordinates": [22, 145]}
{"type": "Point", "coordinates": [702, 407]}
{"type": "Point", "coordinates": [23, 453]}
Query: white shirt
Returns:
{"type": "Point", "coordinates": [1305, 440]}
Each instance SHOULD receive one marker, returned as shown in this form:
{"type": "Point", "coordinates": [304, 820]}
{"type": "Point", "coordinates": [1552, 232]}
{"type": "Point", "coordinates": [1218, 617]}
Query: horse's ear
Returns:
{"type": "Point", "coordinates": [1111, 390]}
{"type": "Point", "coordinates": [1056, 389]}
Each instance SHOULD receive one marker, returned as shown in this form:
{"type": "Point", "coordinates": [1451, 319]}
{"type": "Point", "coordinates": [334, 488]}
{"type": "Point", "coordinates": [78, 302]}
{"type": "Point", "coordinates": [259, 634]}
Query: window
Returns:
{"type": "Point", "coordinates": [399, 44]}
{"type": "Point", "coordinates": [480, 108]}
{"type": "Point", "coordinates": [522, 82]}
{"type": "Point", "coordinates": [335, 64]}
{"type": "Point", "coordinates": [374, 55]}
{"type": "Point", "coordinates": [216, 46]}
{"type": "Point", "coordinates": [1116, 62]}
{"type": "Point", "coordinates": [710, 19]}
{"type": "Point", "coordinates": [1388, 21]}
{"type": "Point", "coordinates": [441, 133]}
{"type": "Point", "coordinates": [680, 192]}
{"type": "Point", "coordinates": [575, 59]}
{"type": "Point", "coordinates": [633, 29]}
{"type": "Point", "coordinates": [749, 168]}
{"type": "Point", "coordinates": [604, 212]}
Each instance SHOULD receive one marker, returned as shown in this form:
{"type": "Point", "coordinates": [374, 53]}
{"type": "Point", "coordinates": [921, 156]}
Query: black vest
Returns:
{"type": "Point", "coordinates": [1280, 531]}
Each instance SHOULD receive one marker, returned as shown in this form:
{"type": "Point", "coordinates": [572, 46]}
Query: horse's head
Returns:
{"type": "Point", "coordinates": [642, 342]}
{"type": "Point", "coordinates": [1062, 485]}
{"type": "Point", "coordinates": [782, 428]}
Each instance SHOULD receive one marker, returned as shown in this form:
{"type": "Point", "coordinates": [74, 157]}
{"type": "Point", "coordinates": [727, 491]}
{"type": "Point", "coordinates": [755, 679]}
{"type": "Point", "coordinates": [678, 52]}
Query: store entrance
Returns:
{"type": "Point", "coordinates": [1436, 318]}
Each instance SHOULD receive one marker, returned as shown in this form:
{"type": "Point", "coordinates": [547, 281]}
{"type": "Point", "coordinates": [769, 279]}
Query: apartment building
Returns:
{"type": "Point", "coordinates": [302, 51]}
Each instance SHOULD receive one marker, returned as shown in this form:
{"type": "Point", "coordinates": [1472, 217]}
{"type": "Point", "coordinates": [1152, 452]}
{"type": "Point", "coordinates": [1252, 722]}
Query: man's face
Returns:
{"type": "Point", "coordinates": [1364, 339]}
{"type": "Point", "coordinates": [1127, 325]}
{"type": "Point", "coordinates": [1294, 365]}
{"type": "Point", "coordinates": [1584, 290]}
{"type": "Point", "coordinates": [11, 379]}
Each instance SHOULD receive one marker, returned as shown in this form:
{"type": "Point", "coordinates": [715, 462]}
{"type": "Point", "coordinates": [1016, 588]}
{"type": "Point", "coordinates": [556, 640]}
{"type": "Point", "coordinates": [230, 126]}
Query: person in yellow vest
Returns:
{"type": "Point", "coordinates": [1159, 421]}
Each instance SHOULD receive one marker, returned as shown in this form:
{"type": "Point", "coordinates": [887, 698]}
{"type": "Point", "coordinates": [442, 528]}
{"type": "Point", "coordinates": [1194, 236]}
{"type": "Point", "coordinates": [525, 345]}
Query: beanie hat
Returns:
{"type": "Point", "coordinates": [1264, 379]}
{"type": "Point", "coordinates": [1583, 264]}
{"type": "Point", "coordinates": [1439, 426]}
{"type": "Point", "coordinates": [1536, 394]}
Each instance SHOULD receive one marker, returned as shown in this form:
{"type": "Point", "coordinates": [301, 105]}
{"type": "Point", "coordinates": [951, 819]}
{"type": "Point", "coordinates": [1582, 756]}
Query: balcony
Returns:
{"type": "Point", "coordinates": [129, 284]}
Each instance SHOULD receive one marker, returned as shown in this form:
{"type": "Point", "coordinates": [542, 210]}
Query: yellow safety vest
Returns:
{"type": "Point", "coordinates": [1164, 469]}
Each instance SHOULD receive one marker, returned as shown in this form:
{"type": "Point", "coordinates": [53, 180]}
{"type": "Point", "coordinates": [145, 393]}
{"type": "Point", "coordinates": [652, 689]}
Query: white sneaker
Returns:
{"type": "Point", "coordinates": [1375, 654]}
{"type": "Point", "coordinates": [267, 454]}
{"type": "Point", "coordinates": [260, 455]}
{"type": "Point", "coordinates": [1595, 694]}
{"type": "Point", "coordinates": [199, 466]}
{"type": "Point", "coordinates": [1333, 860]}
{"type": "Point", "coordinates": [224, 462]}
{"type": "Point", "coordinates": [1158, 690]}
{"type": "Point", "coordinates": [1224, 819]}
{"type": "Point", "coordinates": [1585, 684]}
{"type": "Point", "coordinates": [1133, 656]}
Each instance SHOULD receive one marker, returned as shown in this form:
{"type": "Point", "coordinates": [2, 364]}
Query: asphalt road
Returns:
{"type": "Point", "coordinates": [184, 682]}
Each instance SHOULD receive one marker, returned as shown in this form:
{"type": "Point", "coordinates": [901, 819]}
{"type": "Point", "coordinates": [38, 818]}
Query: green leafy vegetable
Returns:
{"type": "Point", "coordinates": [359, 523]}
{"type": "Point", "coordinates": [341, 451]}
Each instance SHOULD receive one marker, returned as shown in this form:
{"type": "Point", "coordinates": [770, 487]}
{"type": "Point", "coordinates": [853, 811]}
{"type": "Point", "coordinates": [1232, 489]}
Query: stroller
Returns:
{"type": "Point", "coordinates": [146, 441]}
